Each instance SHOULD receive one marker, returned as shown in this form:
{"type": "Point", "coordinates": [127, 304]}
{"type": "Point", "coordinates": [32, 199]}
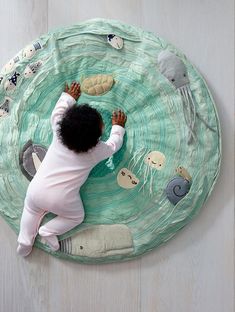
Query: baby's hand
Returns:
{"type": "Point", "coordinates": [73, 90]}
{"type": "Point", "coordinates": [119, 118]}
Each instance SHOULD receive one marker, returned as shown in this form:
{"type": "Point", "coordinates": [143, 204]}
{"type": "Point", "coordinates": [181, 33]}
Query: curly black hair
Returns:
{"type": "Point", "coordinates": [80, 128]}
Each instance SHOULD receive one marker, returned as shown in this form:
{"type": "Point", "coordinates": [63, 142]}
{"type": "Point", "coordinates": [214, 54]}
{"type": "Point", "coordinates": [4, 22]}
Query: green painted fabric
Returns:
{"type": "Point", "coordinates": [155, 123]}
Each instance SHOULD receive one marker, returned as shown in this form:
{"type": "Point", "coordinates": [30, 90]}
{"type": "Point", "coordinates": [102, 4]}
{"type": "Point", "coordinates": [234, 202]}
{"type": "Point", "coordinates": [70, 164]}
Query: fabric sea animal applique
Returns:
{"type": "Point", "coordinates": [11, 82]}
{"type": "Point", "coordinates": [31, 69]}
{"type": "Point", "coordinates": [175, 71]}
{"type": "Point", "coordinates": [100, 240]}
{"type": "Point", "coordinates": [31, 50]}
{"type": "Point", "coordinates": [148, 163]}
{"type": "Point", "coordinates": [97, 85]}
{"type": "Point", "coordinates": [155, 160]}
{"type": "Point", "coordinates": [30, 158]}
{"type": "Point", "coordinates": [4, 107]}
{"type": "Point", "coordinates": [115, 41]}
{"type": "Point", "coordinates": [179, 186]}
{"type": "Point", "coordinates": [126, 179]}
{"type": "Point", "coordinates": [10, 66]}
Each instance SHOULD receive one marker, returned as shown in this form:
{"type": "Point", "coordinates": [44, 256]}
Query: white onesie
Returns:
{"type": "Point", "coordinates": [55, 186]}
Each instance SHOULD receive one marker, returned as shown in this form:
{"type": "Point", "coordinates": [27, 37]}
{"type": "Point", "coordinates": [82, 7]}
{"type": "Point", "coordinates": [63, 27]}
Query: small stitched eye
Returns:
{"type": "Point", "coordinates": [81, 247]}
{"type": "Point", "coordinates": [148, 158]}
{"type": "Point", "coordinates": [133, 182]}
{"type": "Point", "coordinates": [122, 173]}
{"type": "Point", "coordinates": [172, 79]}
{"type": "Point", "coordinates": [160, 165]}
{"type": "Point", "coordinates": [184, 75]}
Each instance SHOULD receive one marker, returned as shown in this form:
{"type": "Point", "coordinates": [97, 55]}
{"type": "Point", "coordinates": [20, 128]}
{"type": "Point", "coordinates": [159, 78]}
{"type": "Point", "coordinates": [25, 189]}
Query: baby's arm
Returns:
{"type": "Point", "coordinates": [66, 100]}
{"type": "Point", "coordinates": [106, 149]}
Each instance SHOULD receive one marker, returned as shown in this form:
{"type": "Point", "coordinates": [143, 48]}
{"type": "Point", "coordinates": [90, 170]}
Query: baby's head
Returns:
{"type": "Point", "coordinates": [80, 128]}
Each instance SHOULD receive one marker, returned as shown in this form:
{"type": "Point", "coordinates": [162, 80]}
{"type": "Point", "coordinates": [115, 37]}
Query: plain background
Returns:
{"type": "Point", "coordinates": [194, 271]}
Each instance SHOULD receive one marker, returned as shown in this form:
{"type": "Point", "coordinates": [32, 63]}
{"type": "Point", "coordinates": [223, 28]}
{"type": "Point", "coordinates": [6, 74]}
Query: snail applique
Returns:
{"type": "Point", "coordinates": [179, 186]}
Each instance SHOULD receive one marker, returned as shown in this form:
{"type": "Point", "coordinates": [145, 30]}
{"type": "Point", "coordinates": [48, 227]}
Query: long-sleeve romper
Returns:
{"type": "Point", "coordinates": [55, 186]}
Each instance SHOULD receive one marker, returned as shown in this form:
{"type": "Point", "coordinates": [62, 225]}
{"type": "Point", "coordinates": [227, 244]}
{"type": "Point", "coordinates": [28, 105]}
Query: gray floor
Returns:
{"type": "Point", "coordinates": [194, 271]}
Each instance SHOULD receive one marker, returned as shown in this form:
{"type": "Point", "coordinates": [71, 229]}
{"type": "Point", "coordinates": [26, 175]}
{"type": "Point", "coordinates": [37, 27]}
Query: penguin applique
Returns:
{"type": "Point", "coordinates": [14, 78]}
{"type": "Point", "coordinates": [115, 41]}
{"type": "Point", "coordinates": [4, 107]}
{"type": "Point", "coordinates": [10, 66]}
{"type": "Point", "coordinates": [31, 69]}
{"type": "Point", "coordinates": [11, 83]}
{"type": "Point", "coordinates": [31, 50]}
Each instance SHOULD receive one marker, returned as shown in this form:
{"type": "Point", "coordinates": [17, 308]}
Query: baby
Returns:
{"type": "Point", "coordinates": [75, 149]}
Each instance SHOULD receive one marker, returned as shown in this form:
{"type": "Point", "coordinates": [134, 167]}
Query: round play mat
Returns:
{"type": "Point", "coordinates": [158, 181]}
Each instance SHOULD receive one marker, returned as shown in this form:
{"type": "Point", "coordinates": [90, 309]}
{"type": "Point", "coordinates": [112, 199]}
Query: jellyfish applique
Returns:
{"type": "Point", "coordinates": [148, 163]}
{"type": "Point", "coordinates": [126, 179]}
{"type": "Point", "coordinates": [179, 186]}
{"type": "Point", "coordinates": [173, 68]}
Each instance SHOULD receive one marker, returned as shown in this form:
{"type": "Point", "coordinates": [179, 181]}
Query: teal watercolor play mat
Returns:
{"type": "Point", "coordinates": [167, 167]}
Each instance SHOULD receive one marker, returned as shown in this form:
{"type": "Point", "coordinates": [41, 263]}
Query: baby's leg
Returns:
{"type": "Point", "coordinates": [29, 224]}
{"type": "Point", "coordinates": [57, 226]}
{"type": "Point", "coordinates": [61, 224]}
